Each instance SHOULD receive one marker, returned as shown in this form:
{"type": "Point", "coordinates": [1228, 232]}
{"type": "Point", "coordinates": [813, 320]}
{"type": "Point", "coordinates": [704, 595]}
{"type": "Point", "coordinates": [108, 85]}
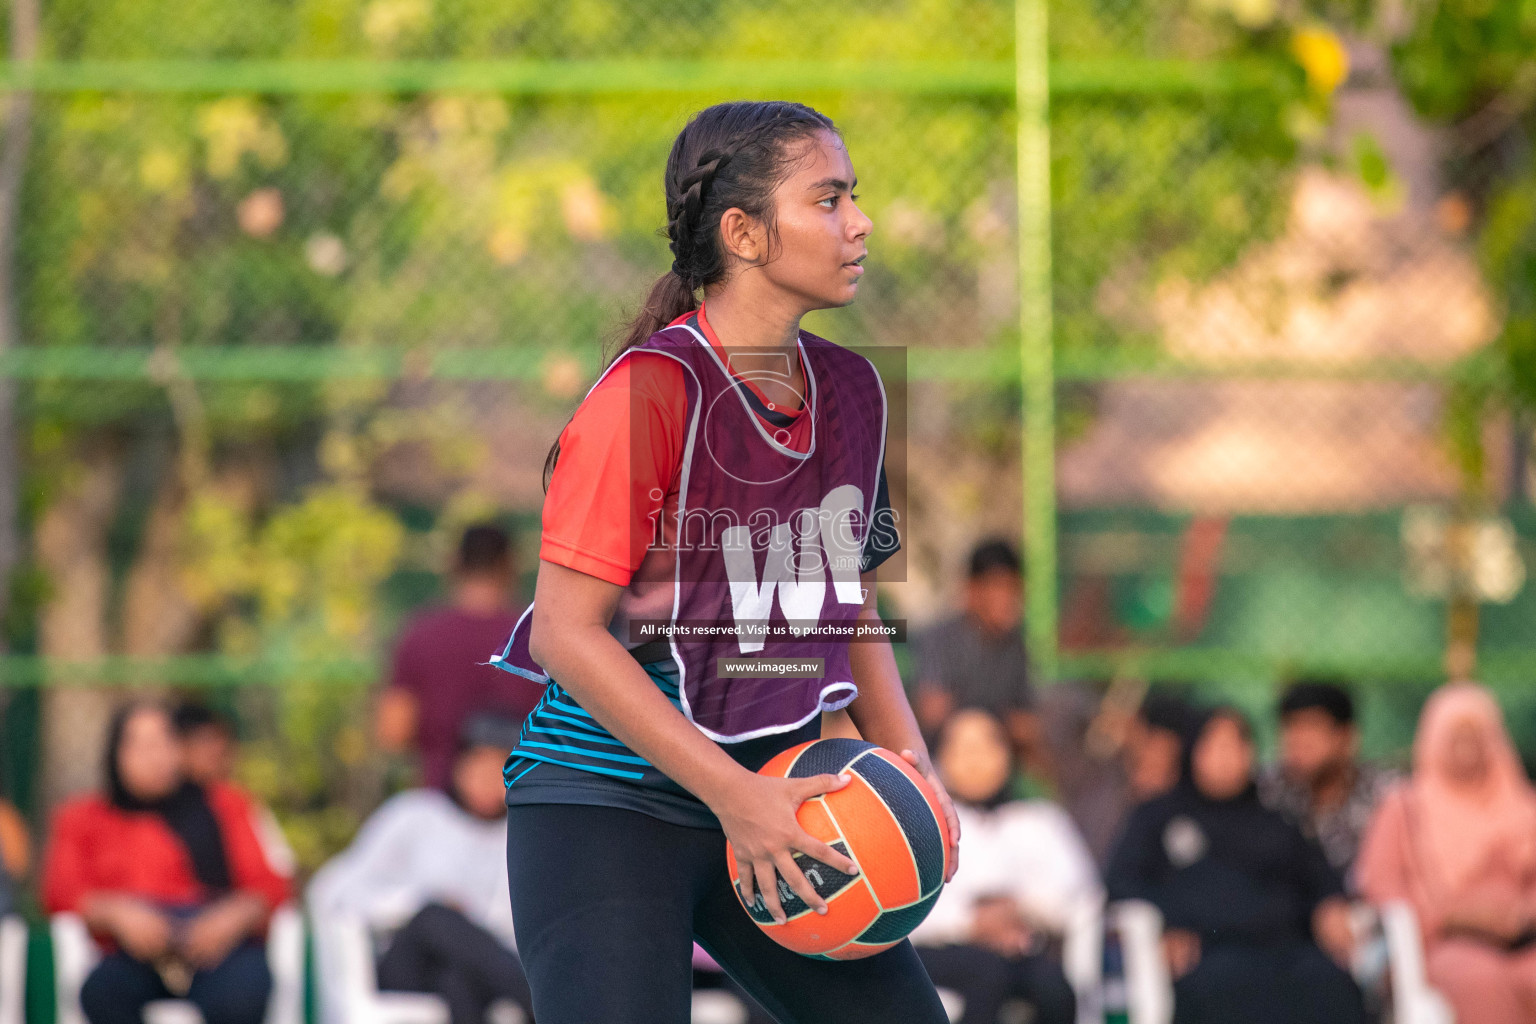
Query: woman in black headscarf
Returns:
{"type": "Point", "coordinates": [1246, 899]}
{"type": "Point", "coordinates": [169, 876]}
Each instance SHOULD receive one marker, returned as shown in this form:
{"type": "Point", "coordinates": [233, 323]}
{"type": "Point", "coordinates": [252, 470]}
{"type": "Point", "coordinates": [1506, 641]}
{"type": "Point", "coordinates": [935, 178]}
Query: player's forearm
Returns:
{"type": "Point", "coordinates": [881, 711]}
{"type": "Point", "coordinates": [606, 681]}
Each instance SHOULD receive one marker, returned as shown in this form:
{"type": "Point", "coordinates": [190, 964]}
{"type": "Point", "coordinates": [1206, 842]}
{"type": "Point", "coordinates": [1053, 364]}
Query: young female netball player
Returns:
{"type": "Point", "coordinates": [640, 760]}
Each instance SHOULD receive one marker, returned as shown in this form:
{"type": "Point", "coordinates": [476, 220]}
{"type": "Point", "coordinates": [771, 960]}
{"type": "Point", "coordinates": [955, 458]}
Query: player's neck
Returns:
{"type": "Point", "coordinates": [743, 320]}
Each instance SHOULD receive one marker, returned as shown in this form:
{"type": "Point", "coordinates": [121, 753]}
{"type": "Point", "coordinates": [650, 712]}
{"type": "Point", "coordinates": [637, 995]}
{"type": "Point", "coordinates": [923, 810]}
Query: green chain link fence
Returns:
{"type": "Point", "coordinates": [302, 287]}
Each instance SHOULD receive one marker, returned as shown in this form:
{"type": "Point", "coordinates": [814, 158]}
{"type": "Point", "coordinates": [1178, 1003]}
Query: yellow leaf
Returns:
{"type": "Point", "coordinates": [1322, 56]}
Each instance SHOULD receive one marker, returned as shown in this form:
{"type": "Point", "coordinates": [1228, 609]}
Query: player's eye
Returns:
{"type": "Point", "coordinates": [829, 199]}
{"type": "Point", "coordinates": [854, 196]}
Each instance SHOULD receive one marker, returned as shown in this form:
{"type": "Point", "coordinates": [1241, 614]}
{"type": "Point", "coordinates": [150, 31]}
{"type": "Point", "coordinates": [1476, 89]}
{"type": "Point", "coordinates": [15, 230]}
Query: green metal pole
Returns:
{"type": "Point", "coordinates": [1035, 334]}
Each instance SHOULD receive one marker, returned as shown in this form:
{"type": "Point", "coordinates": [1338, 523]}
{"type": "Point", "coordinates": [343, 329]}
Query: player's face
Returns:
{"type": "Point", "coordinates": [818, 254]}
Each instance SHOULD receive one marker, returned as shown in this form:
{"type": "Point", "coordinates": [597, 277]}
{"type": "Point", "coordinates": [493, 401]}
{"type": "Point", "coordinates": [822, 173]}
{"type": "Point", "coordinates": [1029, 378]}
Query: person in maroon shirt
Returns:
{"type": "Point", "coordinates": [438, 678]}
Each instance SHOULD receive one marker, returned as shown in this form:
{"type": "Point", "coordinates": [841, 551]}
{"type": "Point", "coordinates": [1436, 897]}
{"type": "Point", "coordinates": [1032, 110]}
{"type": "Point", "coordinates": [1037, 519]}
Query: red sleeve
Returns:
{"type": "Point", "coordinates": [66, 867]}
{"type": "Point", "coordinates": [249, 869]}
{"type": "Point", "coordinates": [618, 458]}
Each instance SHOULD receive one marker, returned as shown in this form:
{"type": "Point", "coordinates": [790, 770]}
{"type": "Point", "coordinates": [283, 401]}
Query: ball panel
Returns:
{"type": "Point", "coordinates": [929, 795]}
{"type": "Point", "coordinates": [827, 757]}
{"type": "Point", "coordinates": [848, 914]}
{"type": "Point", "coordinates": [882, 852]}
{"type": "Point", "coordinates": [895, 925]}
{"type": "Point", "coordinates": [924, 831]}
{"type": "Point", "coordinates": [815, 817]}
{"type": "Point", "coordinates": [859, 950]}
{"type": "Point", "coordinates": [778, 765]}
{"type": "Point", "coordinates": [826, 880]}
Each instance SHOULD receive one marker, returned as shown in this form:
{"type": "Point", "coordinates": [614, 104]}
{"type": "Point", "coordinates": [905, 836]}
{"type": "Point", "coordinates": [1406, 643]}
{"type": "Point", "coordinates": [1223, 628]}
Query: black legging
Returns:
{"type": "Point", "coordinates": [234, 992]}
{"type": "Point", "coordinates": [442, 951]}
{"type": "Point", "coordinates": [607, 904]}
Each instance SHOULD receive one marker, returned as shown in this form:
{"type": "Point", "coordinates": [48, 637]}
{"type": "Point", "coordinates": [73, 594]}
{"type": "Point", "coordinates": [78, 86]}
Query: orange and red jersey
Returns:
{"type": "Point", "coordinates": [620, 462]}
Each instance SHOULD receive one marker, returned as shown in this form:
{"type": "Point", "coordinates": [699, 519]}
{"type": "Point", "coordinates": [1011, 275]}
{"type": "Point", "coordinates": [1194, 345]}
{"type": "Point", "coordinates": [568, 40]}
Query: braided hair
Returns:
{"type": "Point", "coordinates": [728, 156]}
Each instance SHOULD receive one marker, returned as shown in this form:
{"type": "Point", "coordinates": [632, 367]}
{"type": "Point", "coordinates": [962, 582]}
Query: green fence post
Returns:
{"type": "Point", "coordinates": [1035, 341]}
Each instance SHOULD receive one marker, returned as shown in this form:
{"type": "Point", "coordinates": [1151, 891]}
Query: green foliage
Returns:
{"type": "Point", "coordinates": [1469, 64]}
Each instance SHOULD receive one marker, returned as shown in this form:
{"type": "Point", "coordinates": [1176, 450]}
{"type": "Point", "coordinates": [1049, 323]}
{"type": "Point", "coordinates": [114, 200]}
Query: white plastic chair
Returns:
{"type": "Point", "coordinates": [1414, 1001]}
{"type": "Point", "coordinates": [1082, 960]}
{"type": "Point", "coordinates": [350, 994]}
{"type": "Point", "coordinates": [349, 983]}
{"type": "Point", "coordinates": [1148, 985]}
{"type": "Point", "coordinates": [75, 953]}
{"type": "Point", "coordinates": [13, 970]}
{"type": "Point", "coordinates": [1149, 988]}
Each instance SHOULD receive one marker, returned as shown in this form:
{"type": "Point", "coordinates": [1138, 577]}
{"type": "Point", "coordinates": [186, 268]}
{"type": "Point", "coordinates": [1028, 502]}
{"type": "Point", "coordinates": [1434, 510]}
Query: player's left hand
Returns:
{"type": "Point", "coordinates": [926, 769]}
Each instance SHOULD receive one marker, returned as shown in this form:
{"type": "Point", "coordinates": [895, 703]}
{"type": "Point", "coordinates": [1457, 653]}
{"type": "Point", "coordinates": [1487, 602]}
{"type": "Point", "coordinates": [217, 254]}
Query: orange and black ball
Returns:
{"type": "Point", "coordinates": [889, 822]}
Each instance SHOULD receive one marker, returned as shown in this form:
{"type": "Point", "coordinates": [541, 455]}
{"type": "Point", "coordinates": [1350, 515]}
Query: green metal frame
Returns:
{"type": "Point", "coordinates": [257, 363]}
{"type": "Point", "coordinates": [596, 77]}
{"type": "Point", "coordinates": [1036, 341]}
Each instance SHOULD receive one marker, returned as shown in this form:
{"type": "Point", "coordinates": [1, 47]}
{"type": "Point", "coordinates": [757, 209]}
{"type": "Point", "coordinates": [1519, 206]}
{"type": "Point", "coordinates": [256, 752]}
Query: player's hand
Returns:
{"type": "Point", "coordinates": [758, 815]}
{"type": "Point", "coordinates": [926, 769]}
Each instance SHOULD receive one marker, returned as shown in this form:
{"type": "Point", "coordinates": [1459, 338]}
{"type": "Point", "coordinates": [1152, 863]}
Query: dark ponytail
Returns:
{"type": "Point", "coordinates": [729, 156]}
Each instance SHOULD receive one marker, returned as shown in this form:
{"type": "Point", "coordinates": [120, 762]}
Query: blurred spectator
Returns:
{"type": "Point", "coordinates": [1104, 758]}
{"type": "Point", "coordinates": [207, 742]}
{"type": "Point", "coordinates": [1154, 744]}
{"type": "Point", "coordinates": [976, 659]}
{"type": "Point", "coordinates": [1087, 766]}
{"type": "Point", "coordinates": [15, 855]}
{"type": "Point", "coordinates": [1319, 784]}
{"type": "Point", "coordinates": [438, 680]}
{"type": "Point", "coordinates": [169, 876]}
{"type": "Point", "coordinates": [1025, 870]}
{"type": "Point", "coordinates": [209, 752]}
{"type": "Point", "coordinates": [1242, 892]}
{"type": "Point", "coordinates": [431, 867]}
{"type": "Point", "coordinates": [1458, 842]}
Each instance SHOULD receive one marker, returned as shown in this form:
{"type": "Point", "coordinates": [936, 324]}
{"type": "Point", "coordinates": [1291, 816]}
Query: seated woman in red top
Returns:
{"type": "Point", "coordinates": [170, 877]}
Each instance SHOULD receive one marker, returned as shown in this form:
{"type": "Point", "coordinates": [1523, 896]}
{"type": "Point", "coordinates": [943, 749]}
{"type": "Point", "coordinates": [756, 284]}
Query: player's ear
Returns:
{"type": "Point", "coordinates": [742, 235]}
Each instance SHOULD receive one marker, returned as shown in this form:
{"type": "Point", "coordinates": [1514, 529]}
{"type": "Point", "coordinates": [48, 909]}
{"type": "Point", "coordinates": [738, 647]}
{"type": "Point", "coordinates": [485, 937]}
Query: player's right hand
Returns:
{"type": "Point", "coordinates": [758, 815]}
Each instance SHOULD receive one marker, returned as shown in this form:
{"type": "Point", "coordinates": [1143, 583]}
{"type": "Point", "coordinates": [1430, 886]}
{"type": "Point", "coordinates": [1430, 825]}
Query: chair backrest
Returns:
{"type": "Point", "coordinates": [285, 958]}
{"type": "Point", "coordinates": [347, 974]}
{"type": "Point", "coordinates": [1082, 958]}
{"type": "Point", "coordinates": [1415, 1001]}
{"type": "Point", "coordinates": [13, 969]}
{"type": "Point", "coordinates": [1149, 988]}
{"type": "Point", "coordinates": [74, 954]}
